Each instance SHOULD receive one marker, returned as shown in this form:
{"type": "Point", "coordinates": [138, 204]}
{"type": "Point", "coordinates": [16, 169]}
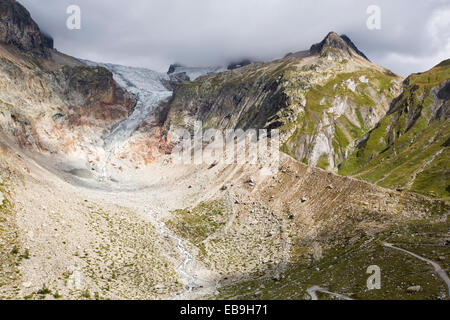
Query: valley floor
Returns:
{"type": "Point", "coordinates": [190, 232]}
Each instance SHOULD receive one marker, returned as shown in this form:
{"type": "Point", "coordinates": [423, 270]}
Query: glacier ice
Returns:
{"type": "Point", "coordinates": [149, 90]}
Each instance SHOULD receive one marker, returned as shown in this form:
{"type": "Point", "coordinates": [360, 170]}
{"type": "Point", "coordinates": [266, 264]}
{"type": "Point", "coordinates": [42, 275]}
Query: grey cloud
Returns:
{"type": "Point", "coordinates": [155, 33]}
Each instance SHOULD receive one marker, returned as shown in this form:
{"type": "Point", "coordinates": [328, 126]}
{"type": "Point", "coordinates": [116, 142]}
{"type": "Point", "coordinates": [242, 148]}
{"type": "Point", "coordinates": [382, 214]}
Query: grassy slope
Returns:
{"type": "Point", "coordinates": [198, 223]}
{"type": "Point", "coordinates": [414, 157]}
{"type": "Point", "coordinates": [343, 269]}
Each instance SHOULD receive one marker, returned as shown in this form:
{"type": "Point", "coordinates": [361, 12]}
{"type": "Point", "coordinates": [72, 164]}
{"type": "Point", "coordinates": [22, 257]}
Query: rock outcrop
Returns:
{"type": "Point", "coordinates": [337, 46]}
{"type": "Point", "coordinates": [19, 29]}
{"type": "Point", "coordinates": [92, 92]}
{"type": "Point", "coordinates": [175, 80]}
{"type": "Point", "coordinates": [173, 67]}
{"type": "Point", "coordinates": [333, 45]}
{"type": "Point", "coordinates": [50, 102]}
{"type": "Point", "coordinates": [353, 46]}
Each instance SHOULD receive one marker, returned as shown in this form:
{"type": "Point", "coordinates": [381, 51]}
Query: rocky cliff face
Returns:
{"type": "Point", "coordinates": [18, 28]}
{"type": "Point", "coordinates": [50, 102]}
{"type": "Point", "coordinates": [322, 101]}
{"type": "Point", "coordinates": [56, 110]}
{"type": "Point", "coordinates": [409, 148]}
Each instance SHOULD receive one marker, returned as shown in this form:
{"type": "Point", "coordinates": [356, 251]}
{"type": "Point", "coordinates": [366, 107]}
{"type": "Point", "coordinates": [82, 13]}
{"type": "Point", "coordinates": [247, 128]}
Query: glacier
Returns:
{"type": "Point", "coordinates": [147, 85]}
{"type": "Point", "coordinates": [149, 89]}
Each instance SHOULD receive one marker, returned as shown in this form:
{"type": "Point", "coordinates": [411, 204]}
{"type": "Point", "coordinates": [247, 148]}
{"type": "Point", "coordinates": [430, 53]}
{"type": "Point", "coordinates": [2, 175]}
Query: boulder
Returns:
{"type": "Point", "coordinates": [414, 289]}
{"type": "Point", "coordinates": [251, 180]}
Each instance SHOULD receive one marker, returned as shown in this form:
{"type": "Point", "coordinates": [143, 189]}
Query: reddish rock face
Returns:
{"type": "Point", "coordinates": [52, 102]}
{"type": "Point", "coordinates": [143, 149]}
{"type": "Point", "coordinates": [18, 28]}
{"type": "Point", "coordinates": [56, 110]}
{"type": "Point", "coordinates": [93, 95]}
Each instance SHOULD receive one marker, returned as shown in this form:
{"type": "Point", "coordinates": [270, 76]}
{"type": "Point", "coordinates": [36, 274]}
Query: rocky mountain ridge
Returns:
{"type": "Point", "coordinates": [322, 102]}
{"type": "Point", "coordinates": [51, 107]}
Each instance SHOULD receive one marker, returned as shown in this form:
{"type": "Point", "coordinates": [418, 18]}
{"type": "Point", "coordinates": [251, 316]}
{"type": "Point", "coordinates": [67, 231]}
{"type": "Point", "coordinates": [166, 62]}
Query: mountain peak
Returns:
{"type": "Point", "coordinates": [336, 45]}
{"type": "Point", "coordinates": [332, 40]}
{"type": "Point", "coordinates": [18, 28]}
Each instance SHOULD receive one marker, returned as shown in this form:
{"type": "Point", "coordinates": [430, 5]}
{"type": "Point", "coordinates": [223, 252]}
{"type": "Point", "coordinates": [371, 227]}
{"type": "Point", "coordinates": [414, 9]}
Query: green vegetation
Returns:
{"type": "Point", "coordinates": [320, 99]}
{"type": "Point", "coordinates": [343, 268]}
{"type": "Point", "coordinates": [408, 147]}
{"type": "Point", "coordinates": [44, 290]}
{"type": "Point", "coordinates": [200, 222]}
{"type": "Point", "coordinates": [323, 162]}
{"type": "Point", "coordinates": [86, 294]}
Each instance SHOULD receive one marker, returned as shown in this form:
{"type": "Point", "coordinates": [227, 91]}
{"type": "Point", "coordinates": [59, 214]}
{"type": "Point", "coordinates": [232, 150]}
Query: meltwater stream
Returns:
{"type": "Point", "coordinates": [183, 268]}
{"type": "Point", "coordinates": [148, 87]}
{"type": "Point", "coordinates": [149, 90]}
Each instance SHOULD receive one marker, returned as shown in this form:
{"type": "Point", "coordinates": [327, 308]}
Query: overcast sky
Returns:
{"type": "Point", "coordinates": [414, 35]}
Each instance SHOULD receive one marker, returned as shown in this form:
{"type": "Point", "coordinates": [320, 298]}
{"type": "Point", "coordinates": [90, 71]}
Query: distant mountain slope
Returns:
{"type": "Point", "coordinates": [322, 100]}
{"type": "Point", "coordinates": [409, 148]}
{"type": "Point", "coordinates": [194, 72]}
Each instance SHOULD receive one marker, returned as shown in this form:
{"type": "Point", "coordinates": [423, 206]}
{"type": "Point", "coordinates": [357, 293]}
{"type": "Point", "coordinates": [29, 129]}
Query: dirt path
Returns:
{"type": "Point", "coordinates": [422, 168]}
{"type": "Point", "coordinates": [312, 292]}
{"type": "Point", "coordinates": [436, 266]}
